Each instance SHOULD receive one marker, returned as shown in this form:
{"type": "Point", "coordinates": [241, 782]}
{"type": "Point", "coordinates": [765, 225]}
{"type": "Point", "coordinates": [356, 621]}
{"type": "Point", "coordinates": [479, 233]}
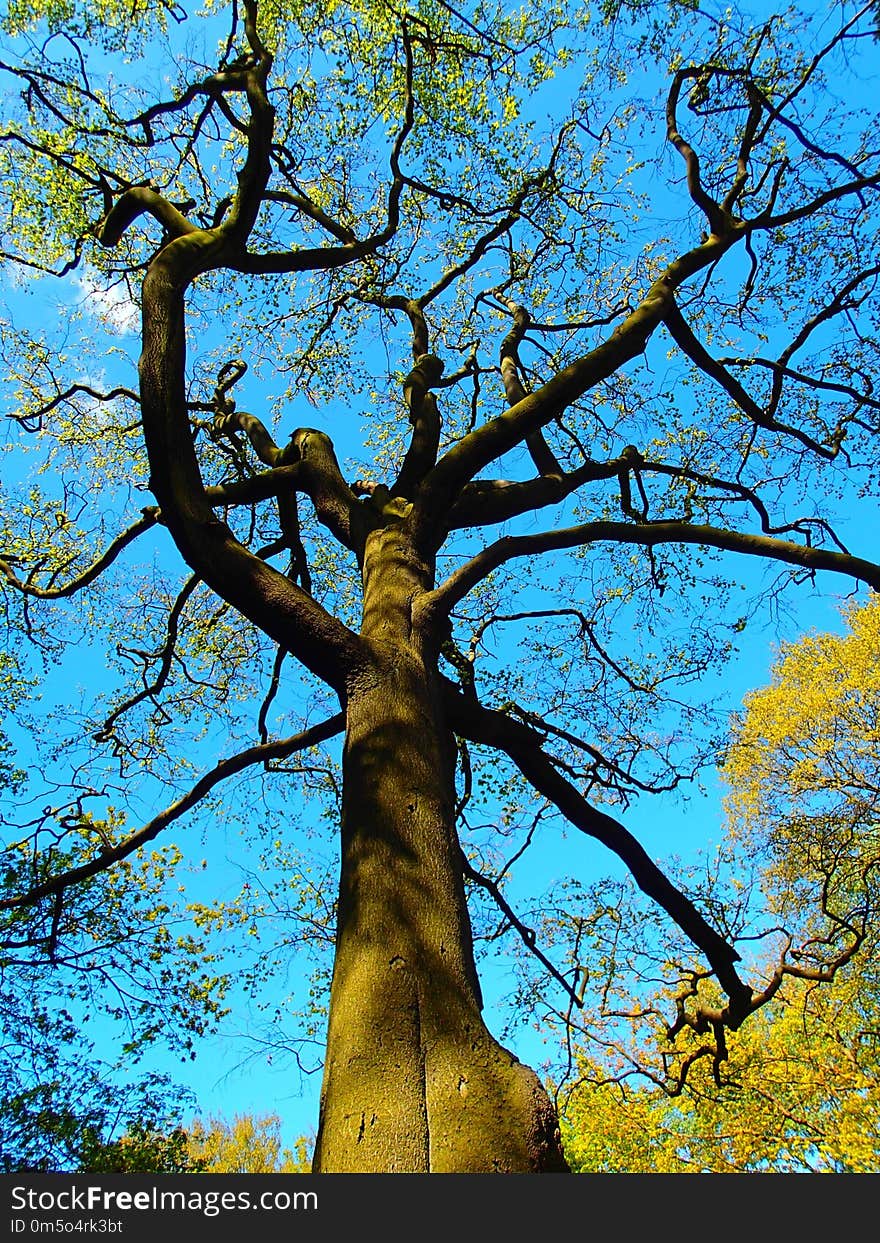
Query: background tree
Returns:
{"type": "Point", "coordinates": [116, 949]}
{"type": "Point", "coordinates": [799, 1088]}
{"type": "Point", "coordinates": [640, 334]}
{"type": "Point", "coordinates": [75, 1118]}
{"type": "Point", "coordinates": [798, 1095]}
{"type": "Point", "coordinates": [246, 1145]}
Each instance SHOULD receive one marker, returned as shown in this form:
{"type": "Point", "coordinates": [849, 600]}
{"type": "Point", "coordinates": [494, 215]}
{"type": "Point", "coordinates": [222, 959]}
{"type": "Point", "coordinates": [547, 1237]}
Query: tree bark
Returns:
{"type": "Point", "coordinates": [413, 1082]}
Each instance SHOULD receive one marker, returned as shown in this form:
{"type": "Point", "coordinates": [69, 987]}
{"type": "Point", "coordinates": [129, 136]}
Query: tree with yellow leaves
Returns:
{"type": "Point", "coordinates": [249, 1144]}
{"type": "Point", "coordinates": [800, 1087]}
{"type": "Point", "coordinates": [800, 1093]}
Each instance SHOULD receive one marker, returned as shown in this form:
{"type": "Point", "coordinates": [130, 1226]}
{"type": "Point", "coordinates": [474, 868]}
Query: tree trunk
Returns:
{"type": "Point", "coordinates": [413, 1081]}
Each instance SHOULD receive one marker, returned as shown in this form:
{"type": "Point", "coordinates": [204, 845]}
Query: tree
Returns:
{"type": "Point", "coordinates": [75, 1118]}
{"type": "Point", "coordinates": [799, 1095]}
{"type": "Point", "coordinates": [799, 1089]}
{"type": "Point", "coordinates": [638, 361]}
{"type": "Point", "coordinates": [246, 1145]}
{"type": "Point", "coordinates": [63, 1105]}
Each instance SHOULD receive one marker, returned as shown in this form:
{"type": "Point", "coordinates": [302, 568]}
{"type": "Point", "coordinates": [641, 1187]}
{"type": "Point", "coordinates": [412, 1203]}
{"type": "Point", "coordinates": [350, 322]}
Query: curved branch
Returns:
{"type": "Point", "coordinates": [151, 516]}
{"type": "Point", "coordinates": [524, 746]}
{"type": "Point", "coordinates": [257, 168]}
{"type": "Point", "coordinates": [139, 201]}
{"type": "Point", "coordinates": [303, 204]}
{"type": "Point", "coordinates": [325, 258]}
{"type": "Point", "coordinates": [309, 466]}
{"type": "Point", "coordinates": [226, 768]}
{"type": "Point", "coordinates": [718, 219]}
{"type": "Point", "coordinates": [72, 391]}
{"type": "Point", "coordinates": [284, 611]}
{"type": "Point", "coordinates": [648, 534]}
{"type": "Point", "coordinates": [684, 338]}
{"type": "Point", "coordinates": [766, 220]}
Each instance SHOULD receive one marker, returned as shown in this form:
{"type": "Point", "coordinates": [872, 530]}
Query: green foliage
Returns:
{"type": "Point", "coordinates": [117, 944]}
{"type": "Point", "coordinates": [78, 1117]}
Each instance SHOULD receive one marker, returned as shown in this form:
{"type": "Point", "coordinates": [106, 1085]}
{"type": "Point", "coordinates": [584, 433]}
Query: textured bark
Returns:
{"type": "Point", "coordinates": [414, 1081]}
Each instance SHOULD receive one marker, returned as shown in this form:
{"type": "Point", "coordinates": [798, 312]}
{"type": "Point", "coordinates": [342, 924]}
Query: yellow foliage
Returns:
{"type": "Point", "coordinates": [250, 1144]}
{"type": "Point", "coordinates": [815, 730]}
{"type": "Point", "coordinates": [801, 1093]}
{"type": "Point", "coordinates": [800, 1088]}
{"type": "Point", "coordinates": [803, 772]}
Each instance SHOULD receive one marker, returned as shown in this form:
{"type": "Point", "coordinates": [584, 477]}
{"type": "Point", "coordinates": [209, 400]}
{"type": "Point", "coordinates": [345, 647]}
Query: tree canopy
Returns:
{"type": "Point", "coordinates": [499, 369]}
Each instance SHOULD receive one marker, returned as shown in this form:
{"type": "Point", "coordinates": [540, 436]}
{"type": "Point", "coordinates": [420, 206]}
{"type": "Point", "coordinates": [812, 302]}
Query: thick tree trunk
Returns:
{"type": "Point", "coordinates": [413, 1081]}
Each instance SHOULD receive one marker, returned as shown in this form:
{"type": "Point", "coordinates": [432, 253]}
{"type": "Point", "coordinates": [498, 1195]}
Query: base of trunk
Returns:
{"type": "Point", "coordinates": [432, 1092]}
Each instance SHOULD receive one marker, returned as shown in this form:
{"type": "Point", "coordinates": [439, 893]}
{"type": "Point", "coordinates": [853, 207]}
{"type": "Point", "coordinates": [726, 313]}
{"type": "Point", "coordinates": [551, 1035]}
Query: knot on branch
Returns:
{"type": "Point", "coordinates": [305, 440]}
{"type": "Point", "coordinates": [426, 372]}
{"type": "Point", "coordinates": [364, 487]}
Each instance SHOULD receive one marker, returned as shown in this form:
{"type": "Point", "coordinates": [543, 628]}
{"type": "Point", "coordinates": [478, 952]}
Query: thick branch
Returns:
{"type": "Point", "coordinates": [425, 419]}
{"type": "Point", "coordinates": [309, 452]}
{"type": "Point", "coordinates": [539, 450]}
{"type": "Point", "coordinates": [524, 746]}
{"type": "Point", "coordinates": [138, 201]}
{"type": "Point", "coordinates": [485, 502]}
{"type": "Point", "coordinates": [254, 175]}
{"type": "Point", "coordinates": [269, 599]}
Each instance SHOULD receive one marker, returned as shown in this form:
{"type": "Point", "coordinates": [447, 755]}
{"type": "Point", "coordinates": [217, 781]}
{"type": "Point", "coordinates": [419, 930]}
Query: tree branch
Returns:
{"type": "Point", "coordinates": [719, 220]}
{"type": "Point", "coordinates": [527, 934]}
{"type": "Point", "coordinates": [540, 452]}
{"type": "Point", "coordinates": [151, 516]}
{"type": "Point", "coordinates": [524, 746]}
{"type": "Point", "coordinates": [648, 534]}
{"type": "Point", "coordinates": [280, 750]}
{"type": "Point", "coordinates": [490, 441]}
{"type": "Point", "coordinates": [137, 201]}
{"type": "Point", "coordinates": [684, 338]}
{"type": "Point", "coordinates": [165, 655]}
